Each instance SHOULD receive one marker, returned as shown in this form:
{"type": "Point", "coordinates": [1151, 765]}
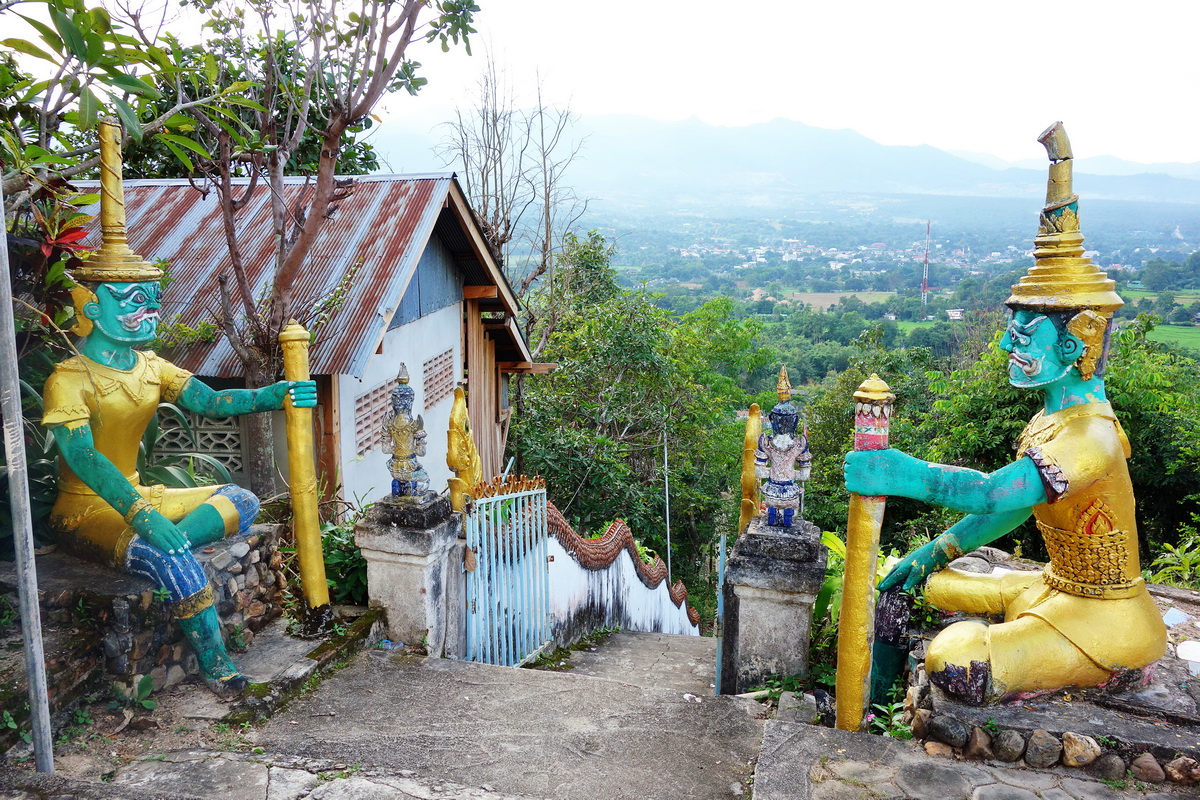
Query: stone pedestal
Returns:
{"type": "Point", "coordinates": [771, 581]}
{"type": "Point", "coordinates": [414, 572]}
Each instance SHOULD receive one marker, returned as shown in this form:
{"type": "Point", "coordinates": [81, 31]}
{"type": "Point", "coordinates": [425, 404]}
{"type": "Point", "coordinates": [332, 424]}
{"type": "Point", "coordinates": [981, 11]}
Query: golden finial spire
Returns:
{"type": "Point", "coordinates": [783, 388]}
{"type": "Point", "coordinates": [115, 261]}
{"type": "Point", "coordinates": [1062, 277]}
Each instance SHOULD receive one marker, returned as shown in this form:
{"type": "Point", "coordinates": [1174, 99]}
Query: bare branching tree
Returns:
{"type": "Point", "coordinates": [490, 143]}
{"type": "Point", "coordinates": [512, 164]}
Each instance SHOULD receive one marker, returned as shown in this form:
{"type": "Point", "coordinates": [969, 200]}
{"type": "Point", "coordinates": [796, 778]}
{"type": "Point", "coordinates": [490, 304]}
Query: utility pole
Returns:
{"type": "Point", "coordinates": [18, 487]}
{"type": "Point", "coordinates": [667, 499]}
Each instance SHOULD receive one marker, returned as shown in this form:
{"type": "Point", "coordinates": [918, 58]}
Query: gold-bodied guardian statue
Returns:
{"type": "Point", "coordinates": [98, 404]}
{"type": "Point", "coordinates": [1088, 614]}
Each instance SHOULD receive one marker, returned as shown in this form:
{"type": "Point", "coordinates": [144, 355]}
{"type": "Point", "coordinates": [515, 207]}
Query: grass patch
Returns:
{"type": "Point", "coordinates": [559, 660]}
{"type": "Point", "coordinates": [1182, 335]}
{"type": "Point", "coordinates": [1183, 296]}
{"type": "Point", "coordinates": [908, 327]}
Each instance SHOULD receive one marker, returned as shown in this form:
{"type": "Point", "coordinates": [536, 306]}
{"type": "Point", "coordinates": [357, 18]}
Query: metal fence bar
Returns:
{"type": "Point", "coordinates": [503, 586]}
{"type": "Point", "coordinates": [493, 587]}
{"type": "Point", "coordinates": [527, 576]}
{"type": "Point", "coordinates": [508, 591]}
{"type": "Point", "coordinates": [544, 560]}
{"type": "Point", "coordinates": [472, 592]}
{"type": "Point", "coordinates": [518, 583]}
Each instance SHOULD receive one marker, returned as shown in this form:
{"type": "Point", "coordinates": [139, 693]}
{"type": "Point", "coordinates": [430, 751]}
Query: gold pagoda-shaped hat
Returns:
{"type": "Point", "coordinates": [114, 262]}
{"type": "Point", "coordinates": [1061, 277]}
{"type": "Point", "coordinates": [783, 386]}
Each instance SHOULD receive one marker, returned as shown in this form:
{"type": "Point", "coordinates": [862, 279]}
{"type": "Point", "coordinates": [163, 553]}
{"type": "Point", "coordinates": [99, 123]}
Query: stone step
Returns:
{"type": "Point", "coordinates": [651, 661]}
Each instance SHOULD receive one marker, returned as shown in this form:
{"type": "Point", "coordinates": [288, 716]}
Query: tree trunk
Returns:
{"type": "Point", "coordinates": [260, 443]}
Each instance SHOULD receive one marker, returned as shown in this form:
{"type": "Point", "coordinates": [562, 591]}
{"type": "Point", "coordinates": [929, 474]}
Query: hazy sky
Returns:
{"type": "Point", "coordinates": [961, 75]}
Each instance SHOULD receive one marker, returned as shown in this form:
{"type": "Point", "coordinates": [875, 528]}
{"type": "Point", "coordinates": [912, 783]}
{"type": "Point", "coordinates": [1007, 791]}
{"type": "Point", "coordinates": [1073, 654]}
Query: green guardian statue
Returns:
{"type": "Point", "coordinates": [98, 404]}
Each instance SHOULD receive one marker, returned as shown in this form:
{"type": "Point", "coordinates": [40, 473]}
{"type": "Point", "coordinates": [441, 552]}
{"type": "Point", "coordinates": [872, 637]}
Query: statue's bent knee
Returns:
{"type": "Point", "coordinates": [958, 661]}
{"type": "Point", "coordinates": [237, 506]}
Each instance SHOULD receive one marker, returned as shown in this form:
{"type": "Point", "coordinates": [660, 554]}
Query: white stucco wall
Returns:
{"type": "Point", "coordinates": [412, 344]}
{"type": "Point", "coordinates": [582, 600]}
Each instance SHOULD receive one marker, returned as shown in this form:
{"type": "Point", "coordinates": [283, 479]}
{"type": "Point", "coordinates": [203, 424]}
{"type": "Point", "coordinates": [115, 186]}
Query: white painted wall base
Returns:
{"type": "Point", "coordinates": [584, 600]}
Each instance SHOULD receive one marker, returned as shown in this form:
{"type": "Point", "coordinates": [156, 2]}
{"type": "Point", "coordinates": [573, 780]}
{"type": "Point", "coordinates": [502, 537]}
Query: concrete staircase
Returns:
{"type": "Point", "coordinates": [635, 718]}
{"type": "Point", "coordinates": [632, 717]}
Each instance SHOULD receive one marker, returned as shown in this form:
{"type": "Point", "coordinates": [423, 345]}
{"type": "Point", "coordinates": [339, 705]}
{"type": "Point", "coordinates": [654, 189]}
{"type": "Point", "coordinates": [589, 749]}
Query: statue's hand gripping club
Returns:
{"type": "Point", "coordinates": [918, 565]}
{"type": "Point", "coordinates": [303, 394]}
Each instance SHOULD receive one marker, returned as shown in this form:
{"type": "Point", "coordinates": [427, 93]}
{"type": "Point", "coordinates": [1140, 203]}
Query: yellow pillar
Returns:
{"type": "Point", "coordinates": [856, 621]}
{"type": "Point", "coordinates": [306, 525]}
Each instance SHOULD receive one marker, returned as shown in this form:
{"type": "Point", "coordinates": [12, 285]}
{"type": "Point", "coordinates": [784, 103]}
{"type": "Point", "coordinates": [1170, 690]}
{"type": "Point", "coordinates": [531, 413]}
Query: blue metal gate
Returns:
{"type": "Point", "coordinates": [508, 584]}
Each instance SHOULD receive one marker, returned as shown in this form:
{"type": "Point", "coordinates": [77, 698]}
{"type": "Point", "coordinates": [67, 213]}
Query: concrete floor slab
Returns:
{"type": "Point", "coordinates": [529, 732]}
{"type": "Point", "coordinates": [206, 777]}
{"type": "Point", "coordinates": [273, 652]}
{"type": "Point", "coordinates": [652, 660]}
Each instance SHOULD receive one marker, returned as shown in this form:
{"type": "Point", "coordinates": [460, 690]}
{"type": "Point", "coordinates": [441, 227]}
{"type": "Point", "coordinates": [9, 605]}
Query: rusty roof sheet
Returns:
{"type": "Point", "coordinates": [383, 228]}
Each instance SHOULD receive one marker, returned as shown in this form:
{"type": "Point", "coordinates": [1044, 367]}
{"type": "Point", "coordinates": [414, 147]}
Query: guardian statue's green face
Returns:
{"type": "Point", "coordinates": [126, 313]}
{"type": "Point", "coordinates": [1039, 354]}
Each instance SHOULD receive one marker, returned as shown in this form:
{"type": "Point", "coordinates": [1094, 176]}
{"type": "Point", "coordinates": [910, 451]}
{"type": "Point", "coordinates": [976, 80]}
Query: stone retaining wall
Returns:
{"type": "Point", "coordinates": [102, 627]}
{"type": "Point", "coordinates": [142, 638]}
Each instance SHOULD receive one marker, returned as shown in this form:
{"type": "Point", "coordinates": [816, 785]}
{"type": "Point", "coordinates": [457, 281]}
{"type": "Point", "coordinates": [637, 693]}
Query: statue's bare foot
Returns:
{"type": "Point", "coordinates": [228, 687]}
{"type": "Point", "coordinates": [969, 684]}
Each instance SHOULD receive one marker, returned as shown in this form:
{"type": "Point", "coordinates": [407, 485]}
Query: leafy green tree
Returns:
{"type": "Point", "coordinates": [631, 375]}
{"type": "Point", "coordinates": [163, 157]}
{"type": "Point", "coordinates": [301, 78]}
{"type": "Point", "coordinates": [91, 63]}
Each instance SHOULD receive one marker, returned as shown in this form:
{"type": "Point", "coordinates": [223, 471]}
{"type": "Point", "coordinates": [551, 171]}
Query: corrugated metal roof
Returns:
{"type": "Point", "coordinates": [383, 226]}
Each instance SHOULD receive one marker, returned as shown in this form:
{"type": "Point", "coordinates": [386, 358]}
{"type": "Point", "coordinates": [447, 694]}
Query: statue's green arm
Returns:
{"type": "Point", "coordinates": [995, 503]}
{"type": "Point", "coordinates": [78, 449]}
{"type": "Point", "coordinates": [969, 533]}
{"type": "Point", "coordinates": [208, 402]}
{"type": "Point", "coordinates": [891, 472]}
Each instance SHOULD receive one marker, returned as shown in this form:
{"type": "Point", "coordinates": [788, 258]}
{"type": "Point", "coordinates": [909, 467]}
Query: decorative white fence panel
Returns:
{"type": "Point", "coordinates": [508, 595]}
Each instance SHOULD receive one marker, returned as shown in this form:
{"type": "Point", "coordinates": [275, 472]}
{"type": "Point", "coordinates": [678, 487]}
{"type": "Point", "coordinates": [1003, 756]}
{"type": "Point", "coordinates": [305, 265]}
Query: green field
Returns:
{"type": "Point", "coordinates": [908, 327]}
{"type": "Point", "coordinates": [1185, 297]}
{"type": "Point", "coordinates": [1183, 335]}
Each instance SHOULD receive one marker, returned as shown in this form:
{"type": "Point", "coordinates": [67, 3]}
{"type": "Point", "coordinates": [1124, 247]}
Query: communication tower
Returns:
{"type": "Point", "coordinates": [925, 272]}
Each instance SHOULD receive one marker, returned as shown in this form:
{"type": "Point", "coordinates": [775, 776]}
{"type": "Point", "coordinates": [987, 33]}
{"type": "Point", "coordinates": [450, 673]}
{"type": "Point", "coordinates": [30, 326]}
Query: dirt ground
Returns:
{"type": "Point", "coordinates": [100, 737]}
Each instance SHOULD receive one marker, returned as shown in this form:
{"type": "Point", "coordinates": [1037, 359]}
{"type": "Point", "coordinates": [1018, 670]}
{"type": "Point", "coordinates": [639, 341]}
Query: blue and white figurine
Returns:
{"type": "Point", "coordinates": [406, 439]}
{"type": "Point", "coordinates": [783, 458]}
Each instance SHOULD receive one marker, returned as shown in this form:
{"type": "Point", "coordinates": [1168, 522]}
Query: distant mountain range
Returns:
{"type": "Point", "coordinates": [637, 162]}
{"type": "Point", "coordinates": [1095, 165]}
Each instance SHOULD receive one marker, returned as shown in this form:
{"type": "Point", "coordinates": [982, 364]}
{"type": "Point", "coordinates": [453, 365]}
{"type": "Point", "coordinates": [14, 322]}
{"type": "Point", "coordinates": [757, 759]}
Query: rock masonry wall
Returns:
{"type": "Point", "coordinates": [245, 572]}
{"type": "Point", "coordinates": [101, 627]}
